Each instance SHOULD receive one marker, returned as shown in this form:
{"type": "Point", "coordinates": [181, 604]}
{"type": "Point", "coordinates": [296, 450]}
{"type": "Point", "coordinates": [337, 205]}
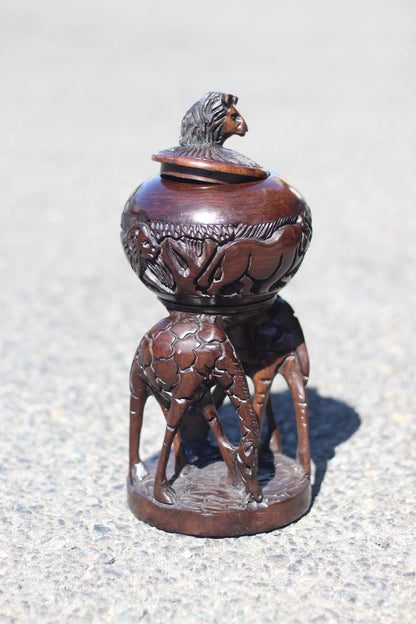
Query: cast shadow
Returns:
{"type": "Point", "coordinates": [331, 422]}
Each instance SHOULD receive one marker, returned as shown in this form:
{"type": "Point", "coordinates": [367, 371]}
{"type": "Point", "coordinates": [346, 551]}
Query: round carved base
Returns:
{"type": "Point", "coordinates": [206, 506]}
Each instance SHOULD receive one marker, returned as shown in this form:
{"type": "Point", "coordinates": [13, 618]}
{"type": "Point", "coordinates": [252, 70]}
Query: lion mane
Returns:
{"type": "Point", "coordinates": [203, 123]}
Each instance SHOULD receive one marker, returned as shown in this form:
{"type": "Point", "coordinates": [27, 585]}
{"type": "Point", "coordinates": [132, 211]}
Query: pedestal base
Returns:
{"type": "Point", "coordinates": [206, 506]}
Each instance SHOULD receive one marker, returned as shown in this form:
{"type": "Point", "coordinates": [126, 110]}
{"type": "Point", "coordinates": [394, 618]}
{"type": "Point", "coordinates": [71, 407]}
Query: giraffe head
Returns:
{"type": "Point", "coordinates": [247, 461]}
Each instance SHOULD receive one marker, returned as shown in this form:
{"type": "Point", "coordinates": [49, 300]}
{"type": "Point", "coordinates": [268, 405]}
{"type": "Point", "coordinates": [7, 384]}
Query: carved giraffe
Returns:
{"type": "Point", "coordinates": [178, 361]}
{"type": "Point", "coordinates": [268, 344]}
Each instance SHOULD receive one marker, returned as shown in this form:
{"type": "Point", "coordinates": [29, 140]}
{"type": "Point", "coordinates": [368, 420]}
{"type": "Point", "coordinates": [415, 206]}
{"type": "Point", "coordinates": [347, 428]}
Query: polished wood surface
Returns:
{"type": "Point", "coordinates": [216, 237]}
{"type": "Point", "coordinates": [216, 248]}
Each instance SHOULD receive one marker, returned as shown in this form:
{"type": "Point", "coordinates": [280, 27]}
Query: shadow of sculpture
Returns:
{"type": "Point", "coordinates": [331, 422]}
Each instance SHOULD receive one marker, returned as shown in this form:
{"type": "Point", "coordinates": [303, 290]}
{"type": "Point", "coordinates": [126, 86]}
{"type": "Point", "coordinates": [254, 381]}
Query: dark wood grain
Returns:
{"type": "Point", "coordinates": [216, 237]}
{"type": "Point", "coordinates": [207, 506]}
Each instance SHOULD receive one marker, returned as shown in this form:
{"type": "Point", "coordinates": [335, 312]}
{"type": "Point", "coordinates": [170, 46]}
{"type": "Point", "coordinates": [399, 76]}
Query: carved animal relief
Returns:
{"type": "Point", "coordinates": [226, 261]}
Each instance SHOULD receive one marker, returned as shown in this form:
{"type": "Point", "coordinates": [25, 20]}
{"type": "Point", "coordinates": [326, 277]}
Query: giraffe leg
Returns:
{"type": "Point", "coordinates": [273, 436]}
{"type": "Point", "coordinates": [163, 492]}
{"type": "Point", "coordinates": [138, 397]}
{"type": "Point", "coordinates": [262, 404]}
{"type": "Point", "coordinates": [262, 383]}
{"type": "Point", "coordinates": [292, 373]}
{"type": "Point", "coordinates": [226, 449]}
{"type": "Point", "coordinates": [180, 456]}
{"type": "Point", "coordinates": [218, 395]}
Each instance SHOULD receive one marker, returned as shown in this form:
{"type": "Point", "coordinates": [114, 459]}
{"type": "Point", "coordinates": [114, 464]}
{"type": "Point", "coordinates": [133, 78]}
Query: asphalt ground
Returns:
{"type": "Point", "coordinates": [89, 90]}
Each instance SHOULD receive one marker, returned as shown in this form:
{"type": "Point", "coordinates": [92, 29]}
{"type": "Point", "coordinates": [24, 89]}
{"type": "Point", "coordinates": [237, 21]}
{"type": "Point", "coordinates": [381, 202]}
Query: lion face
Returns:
{"type": "Point", "coordinates": [211, 120]}
{"type": "Point", "coordinates": [234, 123]}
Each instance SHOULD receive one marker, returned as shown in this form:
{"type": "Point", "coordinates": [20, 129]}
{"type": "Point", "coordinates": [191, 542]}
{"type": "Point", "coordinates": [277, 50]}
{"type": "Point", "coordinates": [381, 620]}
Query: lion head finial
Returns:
{"type": "Point", "coordinates": [212, 120]}
{"type": "Point", "coordinates": [200, 154]}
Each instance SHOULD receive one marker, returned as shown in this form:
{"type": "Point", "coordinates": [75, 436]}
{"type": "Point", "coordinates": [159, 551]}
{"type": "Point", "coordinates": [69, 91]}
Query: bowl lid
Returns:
{"type": "Point", "coordinates": [200, 154]}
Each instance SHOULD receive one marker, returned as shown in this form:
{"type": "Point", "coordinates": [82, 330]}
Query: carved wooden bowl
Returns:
{"type": "Point", "coordinates": [220, 248]}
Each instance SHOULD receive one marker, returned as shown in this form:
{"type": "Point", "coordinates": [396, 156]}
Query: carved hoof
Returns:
{"type": "Point", "coordinates": [233, 478]}
{"type": "Point", "coordinates": [303, 462]}
{"type": "Point", "coordinates": [165, 494]}
{"type": "Point", "coordinates": [275, 443]}
{"type": "Point", "coordinates": [138, 473]}
{"type": "Point", "coordinates": [186, 470]}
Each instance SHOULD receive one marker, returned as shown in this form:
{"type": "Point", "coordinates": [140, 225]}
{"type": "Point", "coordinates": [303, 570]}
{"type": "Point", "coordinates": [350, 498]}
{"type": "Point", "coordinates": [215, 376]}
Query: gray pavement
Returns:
{"type": "Point", "coordinates": [88, 91]}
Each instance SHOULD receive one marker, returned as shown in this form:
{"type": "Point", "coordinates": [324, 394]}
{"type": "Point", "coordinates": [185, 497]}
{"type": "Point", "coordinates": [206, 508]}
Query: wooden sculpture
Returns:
{"type": "Point", "coordinates": [216, 237]}
{"type": "Point", "coordinates": [179, 360]}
